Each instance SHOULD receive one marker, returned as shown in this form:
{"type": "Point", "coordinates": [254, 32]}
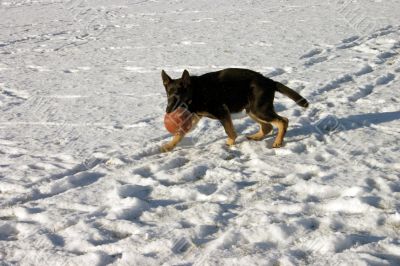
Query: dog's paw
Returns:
{"type": "Point", "coordinates": [166, 148]}
{"type": "Point", "coordinates": [277, 145]}
{"type": "Point", "coordinates": [230, 142]}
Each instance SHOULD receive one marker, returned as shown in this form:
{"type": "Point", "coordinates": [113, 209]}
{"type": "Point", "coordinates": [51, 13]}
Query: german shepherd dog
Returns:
{"type": "Point", "coordinates": [218, 94]}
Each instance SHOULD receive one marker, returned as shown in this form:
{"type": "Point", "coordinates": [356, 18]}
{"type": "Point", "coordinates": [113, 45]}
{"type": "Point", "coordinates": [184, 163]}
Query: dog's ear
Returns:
{"type": "Point", "coordinates": [165, 78]}
{"type": "Point", "coordinates": [186, 78]}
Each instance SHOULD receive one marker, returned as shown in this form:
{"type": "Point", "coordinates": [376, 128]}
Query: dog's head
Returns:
{"type": "Point", "coordinates": [179, 91]}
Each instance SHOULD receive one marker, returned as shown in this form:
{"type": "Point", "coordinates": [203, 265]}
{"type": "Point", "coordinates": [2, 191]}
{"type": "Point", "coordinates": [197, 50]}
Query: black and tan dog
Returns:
{"type": "Point", "coordinates": [218, 94]}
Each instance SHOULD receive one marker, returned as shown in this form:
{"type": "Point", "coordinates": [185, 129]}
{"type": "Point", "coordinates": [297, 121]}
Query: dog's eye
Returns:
{"type": "Point", "coordinates": [172, 91]}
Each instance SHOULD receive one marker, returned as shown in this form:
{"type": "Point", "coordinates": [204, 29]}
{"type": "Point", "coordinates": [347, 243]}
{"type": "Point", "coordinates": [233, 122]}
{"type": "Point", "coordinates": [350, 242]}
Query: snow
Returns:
{"type": "Point", "coordinates": [82, 180]}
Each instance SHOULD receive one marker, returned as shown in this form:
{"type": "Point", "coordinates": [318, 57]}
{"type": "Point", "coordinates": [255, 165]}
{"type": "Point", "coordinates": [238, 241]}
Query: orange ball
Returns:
{"type": "Point", "coordinates": [178, 121]}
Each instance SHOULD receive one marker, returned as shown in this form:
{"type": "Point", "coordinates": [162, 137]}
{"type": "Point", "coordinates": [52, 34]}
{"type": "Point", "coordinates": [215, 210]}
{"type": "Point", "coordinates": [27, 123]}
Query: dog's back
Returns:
{"type": "Point", "coordinates": [233, 87]}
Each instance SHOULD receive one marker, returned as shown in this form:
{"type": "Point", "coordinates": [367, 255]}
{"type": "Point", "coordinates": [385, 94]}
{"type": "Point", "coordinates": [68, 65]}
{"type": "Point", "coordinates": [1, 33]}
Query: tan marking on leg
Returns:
{"type": "Point", "coordinates": [265, 128]}
{"type": "Point", "coordinates": [170, 145]}
{"type": "Point", "coordinates": [262, 132]}
{"type": "Point", "coordinates": [230, 131]}
{"type": "Point", "coordinates": [178, 137]}
{"type": "Point", "coordinates": [282, 125]}
{"type": "Point", "coordinates": [257, 119]}
{"type": "Point", "coordinates": [195, 120]}
{"type": "Point", "coordinates": [206, 114]}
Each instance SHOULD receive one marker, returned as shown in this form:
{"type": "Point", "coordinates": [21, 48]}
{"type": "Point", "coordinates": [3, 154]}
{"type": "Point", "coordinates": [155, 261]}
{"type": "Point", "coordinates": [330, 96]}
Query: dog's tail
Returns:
{"type": "Point", "coordinates": [291, 94]}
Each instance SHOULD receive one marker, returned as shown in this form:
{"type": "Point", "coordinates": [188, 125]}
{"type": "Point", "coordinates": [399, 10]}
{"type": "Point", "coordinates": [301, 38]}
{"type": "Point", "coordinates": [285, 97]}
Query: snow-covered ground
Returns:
{"type": "Point", "coordinates": [82, 181]}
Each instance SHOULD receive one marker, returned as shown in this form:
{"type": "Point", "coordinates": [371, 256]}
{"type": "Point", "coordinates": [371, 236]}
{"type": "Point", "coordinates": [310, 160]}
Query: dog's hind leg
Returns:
{"type": "Point", "coordinates": [262, 108]}
{"type": "Point", "coordinates": [264, 130]}
{"type": "Point", "coordinates": [278, 121]}
{"type": "Point", "coordinates": [282, 124]}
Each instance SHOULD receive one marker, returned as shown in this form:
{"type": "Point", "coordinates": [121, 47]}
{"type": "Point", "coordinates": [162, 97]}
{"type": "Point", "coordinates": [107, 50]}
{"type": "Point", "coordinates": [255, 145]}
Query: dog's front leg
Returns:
{"type": "Point", "coordinates": [226, 121]}
{"type": "Point", "coordinates": [178, 137]}
{"type": "Point", "coordinates": [171, 145]}
{"type": "Point", "coordinates": [230, 131]}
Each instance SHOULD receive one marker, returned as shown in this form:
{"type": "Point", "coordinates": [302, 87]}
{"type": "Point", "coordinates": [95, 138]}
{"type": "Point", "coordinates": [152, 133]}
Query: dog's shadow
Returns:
{"type": "Point", "coordinates": [325, 126]}
{"type": "Point", "coordinates": [331, 123]}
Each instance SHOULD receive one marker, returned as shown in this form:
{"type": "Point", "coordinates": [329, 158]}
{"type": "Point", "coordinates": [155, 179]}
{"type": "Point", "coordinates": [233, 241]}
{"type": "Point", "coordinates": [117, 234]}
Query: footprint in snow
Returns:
{"type": "Point", "coordinates": [312, 53]}
{"type": "Point", "coordinates": [144, 171]}
{"type": "Point", "coordinates": [364, 70]}
{"type": "Point", "coordinates": [62, 185]}
{"type": "Point", "coordinates": [385, 56]}
{"type": "Point", "coordinates": [385, 79]}
{"type": "Point", "coordinates": [174, 163]}
{"type": "Point", "coordinates": [127, 209]}
{"type": "Point", "coordinates": [207, 189]}
{"type": "Point", "coordinates": [348, 43]}
{"type": "Point", "coordinates": [335, 83]}
{"type": "Point", "coordinates": [315, 60]}
{"type": "Point", "coordinates": [394, 186]}
{"type": "Point", "coordinates": [101, 235]}
{"type": "Point", "coordinates": [137, 191]}
{"type": "Point", "coordinates": [298, 148]}
{"type": "Point", "coordinates": [362, 92]}
{"type": "Point", "coordinates": [373, 201]}
{"type": "Point", "coordinates": [275, 72]}
{"type": "Point", "coordinates": [350, 39]}
{"type": "Point", "coordinates": [308, 223]}
{"type": "Point", "coordinates": [8, 232]}
{"type": "Point", "coordinates": [341, 243]}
